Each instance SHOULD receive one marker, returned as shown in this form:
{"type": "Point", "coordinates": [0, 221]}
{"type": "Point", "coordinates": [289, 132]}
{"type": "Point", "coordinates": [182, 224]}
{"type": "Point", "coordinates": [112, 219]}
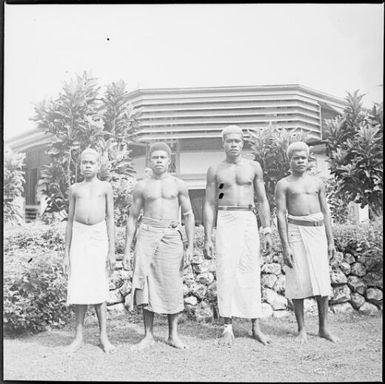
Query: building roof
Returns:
{"type": "Point", "coordinates": [322, 96]}
{"type": "Point", "coordinates": [198, 112]}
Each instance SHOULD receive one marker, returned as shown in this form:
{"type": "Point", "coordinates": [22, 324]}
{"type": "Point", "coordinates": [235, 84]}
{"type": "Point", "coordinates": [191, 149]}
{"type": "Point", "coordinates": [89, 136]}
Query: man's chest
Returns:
{"type": "Point", "coordinates": [234, 175]}
{"type": "Point", "coordinates": [85, 193]}
{"type": "Point", "coordinates": [160, 189]}
{"type": "Point", "coordinates": [305, 189]}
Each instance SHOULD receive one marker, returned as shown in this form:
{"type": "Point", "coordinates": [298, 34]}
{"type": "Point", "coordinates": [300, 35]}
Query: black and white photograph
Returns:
{"type": "Point", "coordinates": [193, 192]}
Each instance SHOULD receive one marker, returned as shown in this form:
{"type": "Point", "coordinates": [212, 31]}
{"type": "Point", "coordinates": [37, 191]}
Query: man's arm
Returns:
{"type": "Point", "coordinates": [110, 227]}
{"type": "Point", "coordinates": [280, 198]}
{"type": "Point", "coordinates": [209, 210]}
{"type": "Point", "coordinates": [327, 219]}
{"type": "Point", "coordinates": [185, 203]}
{"type": "Point", "coordinates": [187, 212]}
{"type": "Point", "coordinates": [260, 193]}
{"type": "Point", "coordinates": [137, 203]}
{"type": "Point", "coordinates": [68, 233]}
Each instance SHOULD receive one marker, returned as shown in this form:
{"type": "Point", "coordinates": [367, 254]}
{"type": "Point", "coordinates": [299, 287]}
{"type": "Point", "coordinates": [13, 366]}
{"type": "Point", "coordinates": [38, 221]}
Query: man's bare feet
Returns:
{"type": "Point", "coordinates": [176, 342]}
{"type": "Point", "coordinates": [302, 337]}
{"type": "Point", "coordinates": [328, 336]}
{"type": "Point", "coordinates": [261, 337]}
{"type": "Point", "coordinates": [227, 338]}
{"type": "Point", "coordinates": [146, 342]}
{"type": "Point", "coordinates": [106, 345]}
{"type": "Point", "coordinates": [76, 344]}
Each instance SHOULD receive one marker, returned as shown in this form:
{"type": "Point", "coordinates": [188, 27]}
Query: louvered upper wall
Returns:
{"type": "Point", "coordinates": [165, 114]}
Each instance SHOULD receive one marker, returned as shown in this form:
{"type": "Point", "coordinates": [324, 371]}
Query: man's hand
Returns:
{"type": "Point", "coordinates": [288, 257]}
{"type": "Point", "coordinates": [66, 264]}
{"type": "Point", "coordinates": [268, 243]}
{"type": "Point", "coordinates": [208, 249]}
{"type": "Point", "coordinates": [111, 260]}
{"type": "Point", "coordinates": [188, 253]}
{"type": "Point", "coordinates": [331, 250]}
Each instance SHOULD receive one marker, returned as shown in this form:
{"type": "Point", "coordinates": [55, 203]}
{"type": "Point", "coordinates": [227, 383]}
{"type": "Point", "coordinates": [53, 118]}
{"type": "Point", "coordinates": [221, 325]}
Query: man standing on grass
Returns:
{"type": "Point", "coordinates": [306, 238]}
{"type": "Point", "coordinates": [231, 187]}
{"type": "Point", "coordinates": [89, 247]}
{"type": "Point", "coordinates": [157, 284]}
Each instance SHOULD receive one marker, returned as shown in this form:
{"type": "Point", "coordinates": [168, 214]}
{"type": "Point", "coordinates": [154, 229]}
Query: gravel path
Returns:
{"type": "Point", "coordinates": [358, 357]}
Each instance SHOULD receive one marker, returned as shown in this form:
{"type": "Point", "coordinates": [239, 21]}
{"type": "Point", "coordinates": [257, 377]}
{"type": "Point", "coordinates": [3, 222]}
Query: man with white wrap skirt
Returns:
{"type": "Point", "coordinates": [304, 226]}
{"type": "Point", "coordinates": [231, 187]}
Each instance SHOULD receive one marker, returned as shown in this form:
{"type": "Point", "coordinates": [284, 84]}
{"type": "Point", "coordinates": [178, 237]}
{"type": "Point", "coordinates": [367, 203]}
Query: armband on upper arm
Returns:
{"type": "Point", "coordinates": [188, 213]}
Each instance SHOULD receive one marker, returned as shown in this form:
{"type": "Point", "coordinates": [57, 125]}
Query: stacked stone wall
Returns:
{"type": "Point", "coordinates": [356, 282]}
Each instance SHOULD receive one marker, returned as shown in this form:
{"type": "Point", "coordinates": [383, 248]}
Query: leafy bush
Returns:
{"type": "Point", "coordinates": [35, 237]}
{"type": "Point", "coordinates": [338, 203]}
{"type": "Point", "coordinates": [34, 292]}
{"type": "Point", "coordinates": [355, 150]}
{"type": "Point", "coordinates": [365, 240]}
{"type": "Point", "coordinates": [12, 185]}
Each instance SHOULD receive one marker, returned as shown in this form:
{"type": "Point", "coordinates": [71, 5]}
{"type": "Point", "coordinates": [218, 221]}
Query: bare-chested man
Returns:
{"type": "Point", "coordinates": [231, 187]}
{"type": "Point", "coordinates": [89, 247]}
{"type": "Point", "coordinates": [306, 238]}
{"type": "Point", "coordinates": [157, 284]}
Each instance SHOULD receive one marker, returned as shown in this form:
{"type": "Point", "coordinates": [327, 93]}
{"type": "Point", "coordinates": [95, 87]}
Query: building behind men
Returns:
{"type": "Point", "coordinates": [190, 120]}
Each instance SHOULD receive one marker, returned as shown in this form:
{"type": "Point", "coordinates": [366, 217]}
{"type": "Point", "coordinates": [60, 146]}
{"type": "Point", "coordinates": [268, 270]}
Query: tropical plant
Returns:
{"type": "Point", "coordinates": [78, 118]}
{"type": "Point", "coordinates": [121, 123]}
{"type": "Point", "coordinates": [355, 151]}
{"type": "Point", "coordinates": [13, 186]}
{"type": "Point", "coordinates": [337, 202]}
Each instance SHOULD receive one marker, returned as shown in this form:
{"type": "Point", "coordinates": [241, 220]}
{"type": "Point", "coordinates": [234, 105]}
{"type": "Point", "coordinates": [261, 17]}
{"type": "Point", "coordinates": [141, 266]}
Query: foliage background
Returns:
{"type": "Point", "coordinates": [83, 116]}
{"type": "Point", "coordinates": [355, 150]}
{"type": "Point", "coordinates": [13, 186]}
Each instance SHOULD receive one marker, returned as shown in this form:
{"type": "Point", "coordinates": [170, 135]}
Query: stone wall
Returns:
{"type": "Point", "coordinates": [356, 281]}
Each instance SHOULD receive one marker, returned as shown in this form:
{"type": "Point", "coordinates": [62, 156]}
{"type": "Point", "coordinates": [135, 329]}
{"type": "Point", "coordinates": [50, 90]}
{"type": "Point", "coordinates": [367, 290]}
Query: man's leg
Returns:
{"type": "Point", "coordinates": [227, 335]}
{"type": "Point", "coordinates": [101, 313]}
{"type": "Point", "coordinates": [299, 315]}
{"type": "Point", "coordinates": [257, 334]}
{"type": "Point", "coordinates": [80, 312]}
{"type": "Point", "coordinates": [323, 306]}
{"type": "Point", "coordinates": [148, 339]}
{"type": "Point", "coordinates": [173, 337]}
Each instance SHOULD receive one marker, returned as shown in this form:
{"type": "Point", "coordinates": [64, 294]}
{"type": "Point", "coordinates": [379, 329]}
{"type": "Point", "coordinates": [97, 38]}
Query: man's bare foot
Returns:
{"type": "Point", "coordinates": [328, 336]}
{"type": "Point", "coordinates": [74, 346]}
{"type": "Point", "coordinates": [146, 342]}
{"type": "Point", "coordinates": [176, 342]}
{"type": "Point", "coordinates": [106, 345]}
{"type": "Point", "coordinates": [261, 337]}
{"type": "Point", "coordinates": [227, 338]}
{"type": "Point", "coordinates": [302, 337]}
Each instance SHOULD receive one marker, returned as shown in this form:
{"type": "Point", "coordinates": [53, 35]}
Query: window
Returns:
{"type": "Point", "coordinates": [31, 187]}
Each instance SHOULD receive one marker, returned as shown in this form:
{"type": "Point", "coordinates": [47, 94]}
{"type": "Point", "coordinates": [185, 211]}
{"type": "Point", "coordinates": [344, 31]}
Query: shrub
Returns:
{"type": "Point", "coordinates": [34, 292]}
{"type": "Point", "coordinates": [363, 239]}
{"type": "Point", "coordinates": [355, 150]}
{"type": "Point", "coordinates": [338, 203]}
{"type": "Point", "coordinates": [35, 236]}
{"type": "Point", "coordinates": [13, 186]}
